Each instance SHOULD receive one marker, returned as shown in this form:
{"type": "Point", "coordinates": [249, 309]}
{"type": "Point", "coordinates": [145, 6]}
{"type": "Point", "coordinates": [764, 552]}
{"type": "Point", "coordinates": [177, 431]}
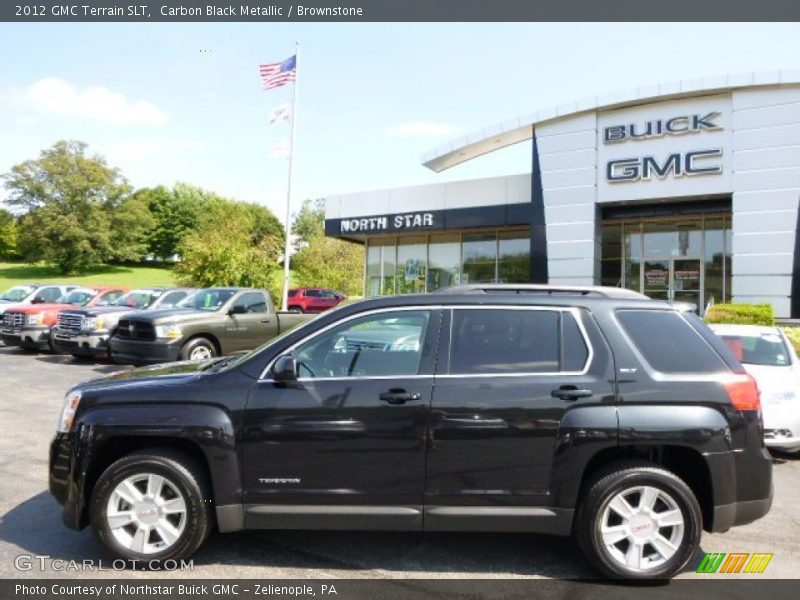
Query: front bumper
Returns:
{"type": "Point", "coordinates": [85, 344]}
{"type": "Point", "coordinates": [33, 337]}
{"type": "Point", "coordinates": [137, 352]}
{"type": "Point", "coordinates": [66, 480]}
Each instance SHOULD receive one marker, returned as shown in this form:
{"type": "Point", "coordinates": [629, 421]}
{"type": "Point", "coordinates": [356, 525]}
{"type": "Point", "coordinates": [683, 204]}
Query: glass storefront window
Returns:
{"type": "Point", "coordinates": [479, 251]}
{"type": "Point", "coordinates": [669, 238]}
{"type": "Point", "coordinates": [514, 257]}
{"type": "Point", "coordinates": [373, 270]}
{"type": "Point", "coordinates": [444, 256]}
{"type": "Point", "coordinates": [389, 261]}
{"type": "Point", "coordinates": [411, 265]}
{"type": "Point", "coordinates": [611, 253]}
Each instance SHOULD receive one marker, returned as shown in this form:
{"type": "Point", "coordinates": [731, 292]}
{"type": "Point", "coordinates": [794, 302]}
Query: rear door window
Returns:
{"type": "Point", "coordinates": [507, 341]}
{"type": "Point", "coordinates": [668, 343]}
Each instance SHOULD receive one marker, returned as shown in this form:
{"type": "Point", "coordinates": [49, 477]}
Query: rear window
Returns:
{"type": "Point", "coordinates": [766, 349]}
{"type": "Point", "coordinates": [668, 343]}
{"type": "Point", "coordinates": [292, 293]}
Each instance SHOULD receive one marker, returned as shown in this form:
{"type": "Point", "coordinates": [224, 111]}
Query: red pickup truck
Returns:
{"type": "Point", "coordinates": [29, 326]}
{"type": "Point", "coordinates": [313, 300]}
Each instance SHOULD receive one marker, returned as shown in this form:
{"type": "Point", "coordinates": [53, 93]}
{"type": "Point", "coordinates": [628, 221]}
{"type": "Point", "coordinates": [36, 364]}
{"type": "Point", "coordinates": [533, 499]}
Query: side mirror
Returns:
{"type": "Point", "coordinates": [285, 368]}
{"type": "Point", "coordinates": [237, 310]}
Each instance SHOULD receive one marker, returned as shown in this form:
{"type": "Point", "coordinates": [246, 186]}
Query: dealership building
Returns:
{"type": "Point", "coordinates": [686, 191]}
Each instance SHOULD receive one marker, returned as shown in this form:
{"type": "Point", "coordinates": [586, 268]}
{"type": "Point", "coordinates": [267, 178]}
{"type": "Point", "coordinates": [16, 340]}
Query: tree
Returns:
{"type": "Point", "coordinates": [310, 221]}
{"type": "Point", "coordinates": [75, 208]}
{"type": "Point", "coordinates": [331, 263]}
{"type": "Point", "coordinates": [176, 212]}
{"type": "Point", "coordinates": [8, 234]}
{"type": "Point", "coordinates": [234, 244]}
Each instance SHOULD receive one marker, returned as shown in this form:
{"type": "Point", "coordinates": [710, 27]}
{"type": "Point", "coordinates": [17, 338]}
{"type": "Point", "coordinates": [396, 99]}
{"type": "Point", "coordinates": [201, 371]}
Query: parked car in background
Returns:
{"type": "Point", "coordinates": [29, 326]}
{"type": "Point", "coordinates": [591, 412]}
{"type": "Point", "coordinates": [84, 332]}
{"type": "Point", "coordinates": [210, 322]}
{"type": "Point", "coordinates": [769, 357]}
{"type": "Point", "coordinates": [313, 300]}
{"type": "Point", "coordinates": [35, 293]}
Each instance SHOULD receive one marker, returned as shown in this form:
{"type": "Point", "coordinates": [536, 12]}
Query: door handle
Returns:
{"type": "Point", "coordinates": [265, 320]}
{"type": "Point", "coordinates": [570, 392]}
{"type": "Point", "coordinates": [397, 396]}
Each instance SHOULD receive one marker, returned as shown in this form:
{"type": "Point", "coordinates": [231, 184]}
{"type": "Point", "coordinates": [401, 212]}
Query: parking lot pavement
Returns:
{"type": "Point", "coordinates": [33, 386]}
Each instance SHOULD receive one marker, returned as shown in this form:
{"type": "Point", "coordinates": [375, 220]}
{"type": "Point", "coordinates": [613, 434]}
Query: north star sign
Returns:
{"type": "Point", "coordinates": [676, 164]}
{"type": "Point", "coordinates": [387, 223]}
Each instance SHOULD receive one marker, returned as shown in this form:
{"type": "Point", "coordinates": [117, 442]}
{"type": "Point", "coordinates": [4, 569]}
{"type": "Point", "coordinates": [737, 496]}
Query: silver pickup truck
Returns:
{"type": "Point", "coordinates": [84, 332]}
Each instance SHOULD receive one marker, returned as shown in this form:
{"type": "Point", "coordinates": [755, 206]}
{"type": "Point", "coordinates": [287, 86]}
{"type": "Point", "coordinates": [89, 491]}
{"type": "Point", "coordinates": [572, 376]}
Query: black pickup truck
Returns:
{"type": "Point", "coordinates": [210, 322]}
{"type": "Point", "coordinates": [587, 411]}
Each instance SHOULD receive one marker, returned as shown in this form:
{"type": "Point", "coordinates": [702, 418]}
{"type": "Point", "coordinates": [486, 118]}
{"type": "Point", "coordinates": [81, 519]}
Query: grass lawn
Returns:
{"type": "Point", "coordinates": [133, 277]}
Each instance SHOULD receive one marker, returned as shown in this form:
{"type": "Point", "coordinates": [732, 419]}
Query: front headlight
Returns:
{"type": "Point", "coordinates": [169, 332]}
{"type": "Point", "coordinates": [93, 323]}
{"type": "Point", "coordinates": [33, 319]}
{"type": "Point", "coordinates": [71, 402]}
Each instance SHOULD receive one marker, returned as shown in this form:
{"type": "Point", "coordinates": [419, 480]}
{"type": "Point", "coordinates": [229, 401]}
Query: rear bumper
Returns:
{"type": "Point", "coordinates": [135, 352]}
{"type": "Point", "coordinates": [83, 344]}
{"type": "Point", "coordinates": [740, 513]}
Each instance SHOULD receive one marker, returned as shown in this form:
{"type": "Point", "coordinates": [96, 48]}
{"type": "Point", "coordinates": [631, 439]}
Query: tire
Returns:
{"type": "Point", "coordinates": [198, 348]}
{"type": "Point", "coordinates": [679, 522]}
{"type": "Point", "coordinates": [182, 477]}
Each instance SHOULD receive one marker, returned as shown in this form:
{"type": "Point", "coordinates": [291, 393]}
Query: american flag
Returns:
{"type": "Point", "coordinates": [277, 74]}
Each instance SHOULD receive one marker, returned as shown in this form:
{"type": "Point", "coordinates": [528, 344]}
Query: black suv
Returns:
{"type": "Point", "coordinates": [587, 411]}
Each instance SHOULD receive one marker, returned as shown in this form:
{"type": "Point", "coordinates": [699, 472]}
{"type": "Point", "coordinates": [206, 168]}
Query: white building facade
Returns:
{"type": "Point", "coordinates": [686, 191]}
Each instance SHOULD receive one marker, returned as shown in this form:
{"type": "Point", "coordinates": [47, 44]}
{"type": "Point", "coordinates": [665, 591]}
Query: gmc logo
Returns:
{"type": "Point", "coordinates": [676, 165]}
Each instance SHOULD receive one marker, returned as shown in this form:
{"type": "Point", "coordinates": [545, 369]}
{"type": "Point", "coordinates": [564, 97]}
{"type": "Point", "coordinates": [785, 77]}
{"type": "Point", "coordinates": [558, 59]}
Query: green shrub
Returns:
{"type": "Point", "coordinates": [793, 333]}
{"type": "Point", "coordinates": [741, 314]}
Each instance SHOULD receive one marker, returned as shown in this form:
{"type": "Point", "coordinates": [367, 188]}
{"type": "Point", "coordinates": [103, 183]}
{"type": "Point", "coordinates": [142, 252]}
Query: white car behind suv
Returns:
{"type": "Point", "coordinates": [769, 357]}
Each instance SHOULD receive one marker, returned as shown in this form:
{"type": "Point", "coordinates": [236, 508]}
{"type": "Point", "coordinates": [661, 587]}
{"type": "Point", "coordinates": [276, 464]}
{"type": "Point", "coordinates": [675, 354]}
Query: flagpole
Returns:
{"type": "Point", "coordinates": [288, 224]}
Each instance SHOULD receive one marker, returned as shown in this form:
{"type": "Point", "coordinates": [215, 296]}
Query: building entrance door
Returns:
{"type": "Point", "coordinates": [673, 279]}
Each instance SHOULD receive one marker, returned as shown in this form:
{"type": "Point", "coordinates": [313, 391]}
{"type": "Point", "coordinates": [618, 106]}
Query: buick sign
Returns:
{"type": "Point", "coordinates": [680, 125]}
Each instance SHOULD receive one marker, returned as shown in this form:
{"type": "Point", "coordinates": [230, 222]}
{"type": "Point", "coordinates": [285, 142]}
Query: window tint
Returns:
{"type": "Point", "coordinates": [504, 341]}
{"type": "Point", "coordinates": [292, 293]}
{"type": "Point", "coordinates": [253, 302]}
{"type": "Point", "coordinates": [574, 350]}
{"type": "Point", "coordinates": [380, 345]}
{"type": "Point", "coordinates": [311, 294]}
{"type": "Point", "coordinates": [326, 294]}
{"type": "Point", "coordinates": [172, 298]}
{"type": "Point", "coordinates": [668, 343]}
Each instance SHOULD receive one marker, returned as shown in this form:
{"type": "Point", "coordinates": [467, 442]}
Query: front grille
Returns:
{"type": "Point", "coordinates": [13, 320]}
{"type": "Point", "coordinates": [69, 322]}
{"type": "Point", "coordinates": [130, 329]}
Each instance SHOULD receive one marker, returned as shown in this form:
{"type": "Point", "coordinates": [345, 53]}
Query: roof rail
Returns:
{"type": "Point", "coordinates": [548, 290]}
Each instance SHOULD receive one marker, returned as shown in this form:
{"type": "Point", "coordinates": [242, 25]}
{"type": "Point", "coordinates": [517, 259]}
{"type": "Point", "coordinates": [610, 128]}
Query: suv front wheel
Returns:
{"type": "Point", "coordinates": [638, 521]}
{"type": "Point", "coordinates": [152, 505]}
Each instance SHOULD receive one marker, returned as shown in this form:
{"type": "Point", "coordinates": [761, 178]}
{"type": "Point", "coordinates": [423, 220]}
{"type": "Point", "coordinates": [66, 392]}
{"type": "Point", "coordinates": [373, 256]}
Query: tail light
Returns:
{"type": "Point", "coordinates": [743, 392]}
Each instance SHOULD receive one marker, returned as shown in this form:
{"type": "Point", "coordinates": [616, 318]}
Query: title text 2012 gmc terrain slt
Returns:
{"type": "Point", "coordinates": [586, 411]}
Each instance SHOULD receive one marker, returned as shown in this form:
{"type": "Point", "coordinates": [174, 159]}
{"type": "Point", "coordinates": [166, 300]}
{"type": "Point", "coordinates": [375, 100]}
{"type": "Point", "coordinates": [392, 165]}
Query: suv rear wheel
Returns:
{"type": "Point", "coordinates": [638, 521]}
{"type": "Point", "coordinates": [152, 505]}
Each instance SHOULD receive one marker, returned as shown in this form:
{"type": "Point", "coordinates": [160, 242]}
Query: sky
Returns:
{"type": "Point", "coordinates": [167, 102]}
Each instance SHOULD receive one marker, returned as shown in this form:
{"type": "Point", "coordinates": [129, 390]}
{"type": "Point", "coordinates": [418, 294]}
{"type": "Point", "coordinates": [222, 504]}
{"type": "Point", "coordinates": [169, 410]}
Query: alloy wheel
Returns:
{"type": "Point", "coordinates": [146, 513]}
{"type": "Point", "coordinates": [641, 527]}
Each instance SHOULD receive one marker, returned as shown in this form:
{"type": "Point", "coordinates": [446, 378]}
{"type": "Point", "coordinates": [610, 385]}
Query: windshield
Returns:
{"type": "Point", "coordinates": [79, 297]}
{"type": "Point", "coordinates": [767, 349]}
{"type": "Point", "coordinates": [210, 300]}
{"type": "Point", "coordinates": [17, 293]}
{"type": "Point", "coordinates": [137, 299]}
